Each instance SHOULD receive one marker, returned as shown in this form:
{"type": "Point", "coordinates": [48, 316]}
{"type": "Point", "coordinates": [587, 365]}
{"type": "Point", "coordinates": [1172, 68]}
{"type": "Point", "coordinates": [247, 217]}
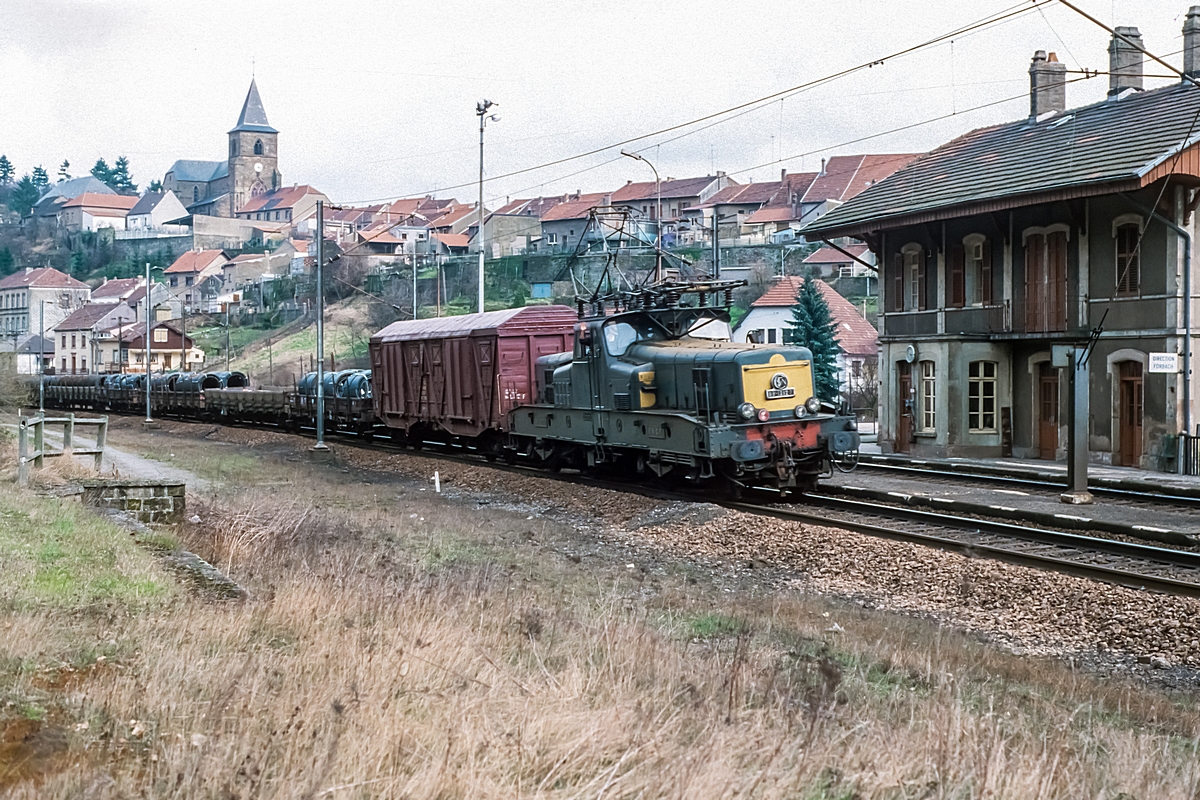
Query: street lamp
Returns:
{"type": "Point", "coordinates": [658, 218]}
{"type": "Point", "coordinates": [146, 337]}
{"type": "Point", "coordinates": [481, 108]}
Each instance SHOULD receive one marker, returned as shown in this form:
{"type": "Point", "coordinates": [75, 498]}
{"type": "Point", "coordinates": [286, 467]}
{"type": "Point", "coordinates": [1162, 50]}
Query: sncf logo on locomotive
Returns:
{"type": "Point", "coordinates": [779, 387]}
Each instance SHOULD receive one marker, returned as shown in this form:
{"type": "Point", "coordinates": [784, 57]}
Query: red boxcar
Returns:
{"type": "Point", "coordinates": [464, 374]}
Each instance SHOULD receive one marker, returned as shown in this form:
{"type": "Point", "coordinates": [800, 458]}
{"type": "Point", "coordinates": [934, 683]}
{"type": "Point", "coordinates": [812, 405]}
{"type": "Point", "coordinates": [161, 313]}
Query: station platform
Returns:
{"type": "Point", "coordinates": [1051, 471]}
{"type": "Point", "coordinates": [1159, 512]}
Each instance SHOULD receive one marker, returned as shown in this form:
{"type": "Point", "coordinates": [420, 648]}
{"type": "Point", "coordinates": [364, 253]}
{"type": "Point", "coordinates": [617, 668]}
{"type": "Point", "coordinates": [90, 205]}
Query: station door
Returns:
{"type": "Point", "coordinates": [1047, 412]}
{"type": "Point", "coordinates": [1129, 409]}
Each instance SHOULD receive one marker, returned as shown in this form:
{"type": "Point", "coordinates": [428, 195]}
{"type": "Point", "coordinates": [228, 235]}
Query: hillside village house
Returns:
{"type": "Point", "coordinates": [848, 260]}
{"type": "Point", "coordinates": [168, 348]}
{"type": "Point", "coordinates": [91, 212]}
{"type": "Point", "coordinates": [83, 340]}
{"type": "Point", "coordinates": [154, 211]}
{"type": "Point", "coordinates": [25, 295]}
{"type": "Point", "coordinates": [769, 321]}
{"type": "Point", "coordinates": [189, 270]}
{"type": "Point", "coordinates": [1014, 238]}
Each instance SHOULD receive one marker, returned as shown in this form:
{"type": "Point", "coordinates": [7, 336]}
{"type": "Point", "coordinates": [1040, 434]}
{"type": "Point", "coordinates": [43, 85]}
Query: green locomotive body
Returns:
{"type": "Point", "coordinates": [644, 389]}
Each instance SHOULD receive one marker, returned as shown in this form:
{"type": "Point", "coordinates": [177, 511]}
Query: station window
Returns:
{"type": "Point", "coordinates": [981, 397]}
{"type": "Point", "coordinates": [160, 334]}
{"type": "Point", "coordinates": [1129, 267]}
{"type": "Point", "coordinates": [928, 397]}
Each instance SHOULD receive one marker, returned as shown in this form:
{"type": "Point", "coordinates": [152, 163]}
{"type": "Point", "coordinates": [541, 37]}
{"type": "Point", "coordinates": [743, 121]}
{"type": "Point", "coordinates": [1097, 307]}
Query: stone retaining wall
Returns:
{"type": "Point", "coordinates": [149, 502]}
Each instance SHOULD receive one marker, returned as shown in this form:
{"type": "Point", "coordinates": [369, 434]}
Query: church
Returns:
{"type": "Point", "coordinates": [220, 188]}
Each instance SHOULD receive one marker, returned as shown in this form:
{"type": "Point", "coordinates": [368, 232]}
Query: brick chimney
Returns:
{"type": "Point", "coordinates": [1191, 42]}
{"type": "Point", "coordinates": [1047, 84]}
{"type": "Point", "coordinates": [1124, 61]}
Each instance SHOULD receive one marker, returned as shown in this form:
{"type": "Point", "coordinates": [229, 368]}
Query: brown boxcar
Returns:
{"type": "Point", "coordinates": [462, 375]}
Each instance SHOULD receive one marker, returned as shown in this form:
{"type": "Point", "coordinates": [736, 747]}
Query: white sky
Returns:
{"type": "Point", "coordinates": [376, 99]}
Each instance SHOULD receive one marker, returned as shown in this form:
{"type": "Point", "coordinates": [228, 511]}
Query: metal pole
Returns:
{"type": "Point", "coordinates": [482, 111]}
{"type": "Point", "coordinates": [42, 358]}
{"type": "Point", "coordinates": [182, 337]}
{"type": "Point", "coordinates": [716, 242]}
{"type": "Point", "coordinates": [415, 259]}
{"type": "Point", "coordinates": [1077, 434]}
{"type": "Point", "coordinates": [320, 445]}
{"type": "Point", "coordinates": [227, 305]}
{"type": "Point", "coordinates": [657, 228]}
{"type": "Point", "coordinates": [146, 343]}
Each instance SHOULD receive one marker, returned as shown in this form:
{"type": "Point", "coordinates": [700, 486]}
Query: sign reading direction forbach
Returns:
{"type": "Point", "coordinates": [1164, 362]}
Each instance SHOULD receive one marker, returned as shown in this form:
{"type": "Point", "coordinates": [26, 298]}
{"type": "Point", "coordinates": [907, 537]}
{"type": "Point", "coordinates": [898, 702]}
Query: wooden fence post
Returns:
{"type": "Point", "coordinates": [23, 452]}
{"type": "Point", "coordinates": [101, 438]}
{"type": "Point", "coordinates": [69, 434]}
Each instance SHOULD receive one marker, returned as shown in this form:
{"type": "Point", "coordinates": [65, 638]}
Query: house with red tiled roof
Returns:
{"type": "Point", "coordinates": [291, 204]}
{"type": "Point", "coordinates": [190, 269]}
{"type": "Point", "coordinates": [36, 299]}
{"type": "Point", "coordinates": [770, 317]}
{"type": "Point", "coordinates": [91, 211]}
{"type": "Point", "coordinates": [82, 341]}
{"type": "Point", "coordinates": [563, 224]}
{"type": "Point", "coordinates": [731, 207]}
{"type": "Point", "coordinates": [807, 196]}
{"type": "Point", "coordinates": [848, 262]}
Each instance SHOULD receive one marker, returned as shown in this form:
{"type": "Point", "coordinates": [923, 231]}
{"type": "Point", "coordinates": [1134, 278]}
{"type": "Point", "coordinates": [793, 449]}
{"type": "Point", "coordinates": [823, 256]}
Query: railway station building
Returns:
{"type": "Point", "coordinates": [1012, 244]}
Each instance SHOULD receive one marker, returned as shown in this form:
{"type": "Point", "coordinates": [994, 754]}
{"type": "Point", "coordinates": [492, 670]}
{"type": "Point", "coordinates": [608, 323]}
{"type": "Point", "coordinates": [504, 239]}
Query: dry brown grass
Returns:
{"type": "Point", "coordinates": [398, 645]}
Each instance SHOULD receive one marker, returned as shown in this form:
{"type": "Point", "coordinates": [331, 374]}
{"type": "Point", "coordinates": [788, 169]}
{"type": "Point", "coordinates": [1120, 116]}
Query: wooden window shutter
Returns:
{"type": "Point", "coordinates": [985, 274]}
{"type": "Point", "coordinates": [1056, 264]}
{"type": "Point", "coordinates": [897, 282]}
{"type": "Point", "coordinates": [922, 270]}
{"type": "Point", "coordinates": [956, 287]}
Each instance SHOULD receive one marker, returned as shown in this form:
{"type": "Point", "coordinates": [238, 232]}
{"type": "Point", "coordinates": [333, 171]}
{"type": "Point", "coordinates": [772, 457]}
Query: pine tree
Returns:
{"type": "Point", "coordinates": [62, 170]}
{"type": "Point", "coordinates": [155, 186]}
{"type": "Point", "coordinates": [120, 179]}
{"type": "Point", "coordinates": [6, 170]}
{"type": "Point", "coordinates": [101, 171]}
{"type": "Point", "coordinates": [40, 179]}
{"type": "Point", "coordinates": [7, 262]}
{"type": "Point", "coordinates": [813, 327]}
{"type": "Point", "coordinates": [25, 196]}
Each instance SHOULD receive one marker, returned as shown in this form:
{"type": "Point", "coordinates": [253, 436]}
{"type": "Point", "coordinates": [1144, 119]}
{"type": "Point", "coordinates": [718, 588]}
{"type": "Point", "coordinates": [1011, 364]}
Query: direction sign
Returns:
{"type": "Point", "coordinates": [1164, 362]}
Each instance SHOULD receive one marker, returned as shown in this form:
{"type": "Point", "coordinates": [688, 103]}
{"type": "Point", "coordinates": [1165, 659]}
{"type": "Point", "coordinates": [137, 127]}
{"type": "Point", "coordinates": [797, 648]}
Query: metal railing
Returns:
{"type": "Point", "coordinates": [35, 453]}
{"type": "Point", "coordinates": [1189, 454]}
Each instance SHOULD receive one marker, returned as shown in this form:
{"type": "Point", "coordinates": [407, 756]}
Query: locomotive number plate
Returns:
{"type": "Point", "coordinates": [779, 387]}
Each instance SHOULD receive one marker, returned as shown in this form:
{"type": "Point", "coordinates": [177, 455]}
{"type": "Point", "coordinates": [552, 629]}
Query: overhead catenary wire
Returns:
{"type": "Point", "coordinates": [1017, 10]}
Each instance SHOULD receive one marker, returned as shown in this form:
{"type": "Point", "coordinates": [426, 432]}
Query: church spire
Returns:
{"type": "Point", "coordinates": [253, 116]}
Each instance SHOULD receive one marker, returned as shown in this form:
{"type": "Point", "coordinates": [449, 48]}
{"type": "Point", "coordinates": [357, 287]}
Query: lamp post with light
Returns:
{"type": "Point", "coordinates": [658, 217]}
{"type": "Point", "coordinates": [481, 109]}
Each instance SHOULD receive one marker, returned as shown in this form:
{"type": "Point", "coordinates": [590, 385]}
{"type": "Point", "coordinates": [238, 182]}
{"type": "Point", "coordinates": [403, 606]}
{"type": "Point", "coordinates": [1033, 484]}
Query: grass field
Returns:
{"type": "Point", "coordinates": [401, 644]}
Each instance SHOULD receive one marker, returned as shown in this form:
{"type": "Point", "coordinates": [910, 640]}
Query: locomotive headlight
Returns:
{"type": "Point", "coordinates": [852, 424]}
{"type": "Point", "coordinates": [746, 410]}
{"type": "Point", "coordinates": [763, 415]}
{"type": "Point", "coordinates": [800, 411]}
{"type": "Point", "coordinates": [813, 404]}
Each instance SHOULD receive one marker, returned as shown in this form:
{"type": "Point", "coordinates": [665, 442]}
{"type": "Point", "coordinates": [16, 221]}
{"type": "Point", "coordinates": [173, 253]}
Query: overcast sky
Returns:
{"type": "Point", "coordinates": [376, 100]}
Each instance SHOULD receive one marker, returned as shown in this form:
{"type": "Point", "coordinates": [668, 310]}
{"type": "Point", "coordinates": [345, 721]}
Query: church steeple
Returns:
{"type": "Point", "coordinates": [253, 152]}
{"type": "Point", "coordinates": [253, 117]}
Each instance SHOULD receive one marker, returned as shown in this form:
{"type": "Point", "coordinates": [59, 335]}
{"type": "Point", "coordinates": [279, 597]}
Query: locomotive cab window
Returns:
{"type": "Point", "coordinates": [620, 336]}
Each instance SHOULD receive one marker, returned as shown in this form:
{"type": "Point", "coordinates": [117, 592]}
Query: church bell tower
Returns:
{"type": "Point", "coordinates": [253, 153]}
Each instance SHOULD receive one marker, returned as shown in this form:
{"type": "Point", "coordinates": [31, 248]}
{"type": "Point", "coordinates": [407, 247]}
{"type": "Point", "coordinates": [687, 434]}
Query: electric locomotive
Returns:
{"type": "Point", "coordinates": [644, 389]}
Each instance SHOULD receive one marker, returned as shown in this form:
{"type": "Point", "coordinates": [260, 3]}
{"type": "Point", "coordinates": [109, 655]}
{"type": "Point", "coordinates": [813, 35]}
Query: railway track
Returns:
{"type": "Point", "coordinates": [1130, 564]}
{"type": "Point", "coordinates": [1135, 565]}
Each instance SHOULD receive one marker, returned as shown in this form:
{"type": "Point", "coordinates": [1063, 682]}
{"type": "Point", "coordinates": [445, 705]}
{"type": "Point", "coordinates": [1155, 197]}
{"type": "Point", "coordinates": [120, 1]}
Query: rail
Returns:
{"type": "Point", "coordinates": [34, 453]}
